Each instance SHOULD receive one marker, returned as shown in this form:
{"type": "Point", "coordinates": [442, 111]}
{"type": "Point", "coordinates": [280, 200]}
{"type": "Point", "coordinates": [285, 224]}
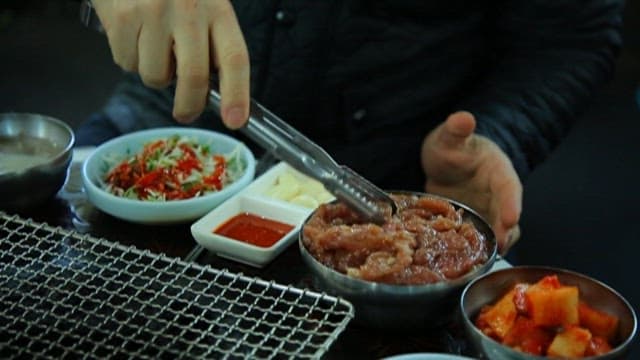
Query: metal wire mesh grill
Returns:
{"type": "Point", "coordinates": [67, 295]}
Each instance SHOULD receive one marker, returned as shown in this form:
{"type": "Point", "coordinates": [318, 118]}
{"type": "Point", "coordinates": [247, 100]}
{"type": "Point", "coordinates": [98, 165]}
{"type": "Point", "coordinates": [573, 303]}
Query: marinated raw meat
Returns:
{"type": "Point", "coordinates": [426, 241]}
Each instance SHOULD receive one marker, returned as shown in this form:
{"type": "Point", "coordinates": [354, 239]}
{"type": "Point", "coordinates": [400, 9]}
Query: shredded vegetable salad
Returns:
{"type": "Point", "coordinates": [172, 168]}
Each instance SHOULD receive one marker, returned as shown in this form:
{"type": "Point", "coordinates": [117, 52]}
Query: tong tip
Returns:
{"type": "Point", "coordinates": [375, 209]}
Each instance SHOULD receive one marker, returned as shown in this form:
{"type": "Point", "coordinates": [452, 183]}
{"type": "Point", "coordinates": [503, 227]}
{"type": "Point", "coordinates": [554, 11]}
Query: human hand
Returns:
{"type": "Point", "coordinates": [473, 170]}
{"type": "Point", "coordinates": [184, 40]}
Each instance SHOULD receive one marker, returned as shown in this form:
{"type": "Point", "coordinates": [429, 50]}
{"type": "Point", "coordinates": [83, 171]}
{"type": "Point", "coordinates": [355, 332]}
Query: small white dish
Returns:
{"type": "Point", "coordinates": [282, 183]}
{"type": "Point", "coordinates": [257, 256]}
{"type": "Point", "coordinates": [81, 153]}
{"type": "Point", "coordinates": [160, 212]}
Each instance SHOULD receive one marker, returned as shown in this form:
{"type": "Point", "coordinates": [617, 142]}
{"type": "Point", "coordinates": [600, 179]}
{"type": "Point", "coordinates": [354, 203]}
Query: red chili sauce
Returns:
{"type": "Point", "coordinates": [253, 229]}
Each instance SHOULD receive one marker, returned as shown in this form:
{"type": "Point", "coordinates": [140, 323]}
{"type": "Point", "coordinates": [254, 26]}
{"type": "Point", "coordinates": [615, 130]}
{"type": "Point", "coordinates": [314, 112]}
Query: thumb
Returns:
{"type": "Point", "coordinates": [456, 130]}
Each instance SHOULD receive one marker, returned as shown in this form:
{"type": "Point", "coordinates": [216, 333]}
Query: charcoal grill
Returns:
{"type": "Point", "coordinates": [67, 295]}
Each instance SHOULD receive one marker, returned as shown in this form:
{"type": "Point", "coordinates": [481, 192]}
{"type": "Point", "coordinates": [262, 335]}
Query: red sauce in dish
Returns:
{"type": "Point", "coordinates": [253, 229]}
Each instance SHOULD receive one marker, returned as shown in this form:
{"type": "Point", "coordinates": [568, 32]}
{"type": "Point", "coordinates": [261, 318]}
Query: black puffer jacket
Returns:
{"type": "Point", "coordinates": [368, 79]}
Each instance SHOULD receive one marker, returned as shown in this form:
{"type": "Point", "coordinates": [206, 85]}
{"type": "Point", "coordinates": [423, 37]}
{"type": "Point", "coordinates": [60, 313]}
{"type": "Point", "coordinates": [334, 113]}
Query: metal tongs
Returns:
{"type": "Point", "coordinates": [289, 145]}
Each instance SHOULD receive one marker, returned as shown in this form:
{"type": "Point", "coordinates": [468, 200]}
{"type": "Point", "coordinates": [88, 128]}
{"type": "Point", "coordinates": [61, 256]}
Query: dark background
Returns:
{"type": "Point", "coordinates": [580, 207]}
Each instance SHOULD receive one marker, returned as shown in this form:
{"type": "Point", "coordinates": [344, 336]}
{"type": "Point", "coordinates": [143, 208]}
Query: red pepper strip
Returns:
{"type": "Point", "coordinates": [167, 181]}
{"type": "Point", "coordinates": [188, 164]}
{"type": "Point", "coordinates": [220, 160]}
{"type": "Point", "coordinates": [172, 187]}
{"type": "Point", "coordinates": [150, 148]}
{"type": "Point", "coordinates": [214, 183]}
{"type": "Point", "coordinates": [121, 176]}
{"type": "Point", "coordinates": [147, 151]}
{"type": "Point", "coordinates": [149, 178]}
{"type": "Point", "coordinates": [215, 179]}
{"type": "Point", "coordinates": [188, 150]}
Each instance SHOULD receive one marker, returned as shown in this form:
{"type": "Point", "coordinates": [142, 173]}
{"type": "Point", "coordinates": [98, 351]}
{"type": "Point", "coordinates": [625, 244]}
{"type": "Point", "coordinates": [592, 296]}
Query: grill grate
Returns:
{"type": "Point", "coordinates": [67, 295]}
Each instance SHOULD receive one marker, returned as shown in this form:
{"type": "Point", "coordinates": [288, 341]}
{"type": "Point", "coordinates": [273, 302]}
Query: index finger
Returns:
{"type": "Point", "coordinates": [506, 205]}
{"type": "Point", "coordinates": [192, 71]}
{"type": "Point", "coordinates": [232, 59]}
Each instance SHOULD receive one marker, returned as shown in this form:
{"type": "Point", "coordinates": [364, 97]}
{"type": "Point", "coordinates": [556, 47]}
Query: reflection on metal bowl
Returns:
{"type": "Point", "coordinates": [35, 153]}
{"type": "Point", "coordinates": [400, 307]}
{"type": "Point", "coordinates": [487, 289]}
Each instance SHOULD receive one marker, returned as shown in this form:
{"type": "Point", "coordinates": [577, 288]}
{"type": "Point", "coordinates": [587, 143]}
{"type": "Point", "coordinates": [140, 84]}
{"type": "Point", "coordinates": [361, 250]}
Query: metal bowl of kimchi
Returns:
{"type": "Point", "coordinates": [537, 312]}
{"type": "Point", "coordinates": [166, 175]}
{"type": "Point", "coordinates": [406, 274]}
{"type": "Point", "coordinates": [35, 154]}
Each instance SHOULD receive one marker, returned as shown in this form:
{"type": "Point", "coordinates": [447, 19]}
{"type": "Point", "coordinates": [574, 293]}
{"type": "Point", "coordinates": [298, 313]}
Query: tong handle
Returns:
{"type": "Point", "coordinates": [283, 141]}
{"type": "Point", "coordinates": [288, 144]}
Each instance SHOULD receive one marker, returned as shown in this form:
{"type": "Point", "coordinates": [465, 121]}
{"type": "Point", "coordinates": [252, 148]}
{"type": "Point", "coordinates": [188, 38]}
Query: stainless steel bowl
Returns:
{"type": "Point", "coordinates": [400, 307]}
{"type": "Point", "coordinates": [488, 288]}
{"type": "Point", "coordinates": [35, 153]}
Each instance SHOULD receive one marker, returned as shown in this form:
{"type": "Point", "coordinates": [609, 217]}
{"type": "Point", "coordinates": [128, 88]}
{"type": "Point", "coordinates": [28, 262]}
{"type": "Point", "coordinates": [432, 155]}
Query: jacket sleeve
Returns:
{"type": "Point", "coordinates": [133, 106]}
{"type": "Point", "coordinates": [550, 57]}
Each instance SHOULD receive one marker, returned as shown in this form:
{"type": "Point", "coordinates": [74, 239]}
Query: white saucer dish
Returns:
{"type": "Point", "coordinates": [204, 229]}
{"type": "Point", "coordinates": [281, 194]}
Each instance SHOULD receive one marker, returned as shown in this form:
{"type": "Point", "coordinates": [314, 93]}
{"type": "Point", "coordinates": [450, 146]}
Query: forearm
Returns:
{"type": "Point", "coordinates": [131, 107]}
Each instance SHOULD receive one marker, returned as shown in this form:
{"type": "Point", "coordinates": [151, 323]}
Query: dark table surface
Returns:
{"type": "Point", "coordinates": [71, 210]}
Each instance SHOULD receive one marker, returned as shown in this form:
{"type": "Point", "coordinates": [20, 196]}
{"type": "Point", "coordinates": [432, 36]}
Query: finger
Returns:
{"type": "Point", "coordinates": [448, 152]}
{"type": "Point", "coordinates": [122, 34]}
{"type": "Point", "coordinates": [507, 206]}
{"type": "Point", "coordinates": [513, 237]}
{"type": "Point", "coordinates": [232, 59]}
{"type": "Point", "coordinates": [155, 57]}
{"type": "Point", "coordinates": [191, 50]}
{"type": "Point", "coordinates": [457, 129]}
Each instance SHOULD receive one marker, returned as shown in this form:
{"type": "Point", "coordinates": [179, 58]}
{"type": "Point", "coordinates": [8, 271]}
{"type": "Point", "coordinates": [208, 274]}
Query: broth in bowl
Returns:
{"type": "Point", "coordinates": [22, 152]}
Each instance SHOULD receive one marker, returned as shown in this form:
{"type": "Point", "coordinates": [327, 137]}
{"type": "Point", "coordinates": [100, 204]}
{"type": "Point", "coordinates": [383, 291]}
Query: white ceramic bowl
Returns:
{"type": "Point", "coordinates": [258, 256]}
{"type": "Point", "coordinates": [167, 212]}
{"type": "Point", "coordinates": [257, 199]}
{"type": "Point", "coordinates": [299, 191]}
